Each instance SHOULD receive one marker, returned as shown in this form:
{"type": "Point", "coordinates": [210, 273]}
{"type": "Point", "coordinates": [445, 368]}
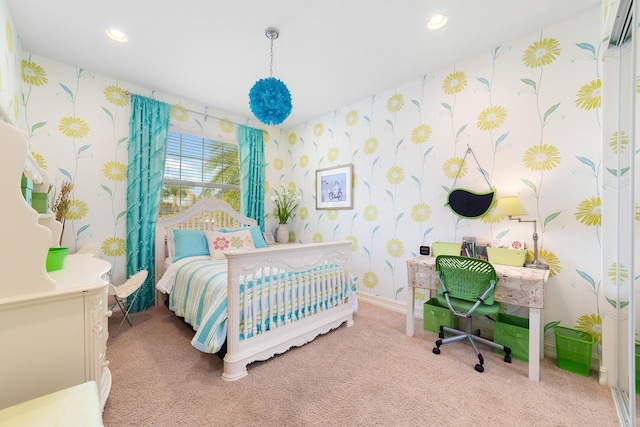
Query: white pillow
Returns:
{"type": "Point", "coordinates": [220, 242]}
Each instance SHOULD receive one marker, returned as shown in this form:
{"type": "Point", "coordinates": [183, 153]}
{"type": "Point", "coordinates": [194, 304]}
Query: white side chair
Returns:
{"type": "Point", "coordinates": [122, 292]}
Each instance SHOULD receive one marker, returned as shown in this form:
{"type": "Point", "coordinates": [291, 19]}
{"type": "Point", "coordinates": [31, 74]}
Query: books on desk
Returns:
{"type": "Point", "coordinates": [474, 249]}
{"type": "Point", "coordinates": [481, 252]}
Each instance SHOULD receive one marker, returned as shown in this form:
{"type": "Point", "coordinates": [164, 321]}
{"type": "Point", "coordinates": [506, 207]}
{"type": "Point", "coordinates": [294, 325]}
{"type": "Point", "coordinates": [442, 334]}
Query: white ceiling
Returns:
{"type": "Point", "coordinates": [330, 53]}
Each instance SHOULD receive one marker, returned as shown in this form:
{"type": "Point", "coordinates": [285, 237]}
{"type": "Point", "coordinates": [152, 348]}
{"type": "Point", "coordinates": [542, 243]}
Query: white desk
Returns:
{"type": "Point", "coordinates": [516, 285]}
{"type": "Point", "coordinates": [56, 338]}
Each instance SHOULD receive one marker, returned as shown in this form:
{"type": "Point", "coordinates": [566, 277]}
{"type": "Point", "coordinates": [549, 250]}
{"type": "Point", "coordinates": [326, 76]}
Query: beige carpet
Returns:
{"type": "Point", "coordinates": [370, 374]}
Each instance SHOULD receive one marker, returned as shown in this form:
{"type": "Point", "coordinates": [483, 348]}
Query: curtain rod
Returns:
{"type": "Point", "coordinates": [205, 115]}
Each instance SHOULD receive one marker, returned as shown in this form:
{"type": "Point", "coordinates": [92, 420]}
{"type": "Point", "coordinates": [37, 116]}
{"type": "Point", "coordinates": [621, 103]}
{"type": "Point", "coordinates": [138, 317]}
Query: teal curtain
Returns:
{"type": "Point", "coordinates": [251, 149]}
{"type": "Point", "coordinates": [148, 130]}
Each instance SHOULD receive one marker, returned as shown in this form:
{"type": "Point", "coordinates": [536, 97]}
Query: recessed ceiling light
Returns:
{"type": "Point", "coordinates": [116, 35]}
{"type": "Point", "coordinates": [437, 21]}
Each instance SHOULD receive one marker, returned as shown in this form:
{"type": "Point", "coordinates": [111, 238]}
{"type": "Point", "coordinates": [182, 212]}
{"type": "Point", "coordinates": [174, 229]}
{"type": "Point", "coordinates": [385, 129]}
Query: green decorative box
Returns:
{"type": "Point", "coordinates": [40, 202]}
{"type": "Point", "coordinates": [507, 256]}
{"type": "Point", "coordinates": [446, 248]}
{"type": "Point", "coordinates": [27, 189]}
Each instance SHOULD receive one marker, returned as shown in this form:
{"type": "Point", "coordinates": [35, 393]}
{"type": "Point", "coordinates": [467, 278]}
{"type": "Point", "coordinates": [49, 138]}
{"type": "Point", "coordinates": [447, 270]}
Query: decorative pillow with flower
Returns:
{"type": "Point", "coordinates": [256, 234]}
{"type": "Point", "coordinates": [220, 242]}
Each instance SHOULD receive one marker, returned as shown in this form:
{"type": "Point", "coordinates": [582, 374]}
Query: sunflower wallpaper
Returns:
{"type": "Point", "coordinates": [78, 126]}
{"type": "Point", "coordinates": [529, 111]}
{"type": "Point", "coordinates": [524, 118]}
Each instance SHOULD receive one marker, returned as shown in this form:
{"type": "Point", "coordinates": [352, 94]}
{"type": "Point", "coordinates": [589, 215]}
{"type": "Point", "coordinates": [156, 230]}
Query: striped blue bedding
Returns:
{"type": "Point", "coordinates": [199, 295]}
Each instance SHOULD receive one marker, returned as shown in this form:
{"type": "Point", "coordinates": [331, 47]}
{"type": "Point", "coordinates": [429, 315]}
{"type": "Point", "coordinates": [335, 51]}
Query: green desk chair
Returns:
{"type": "Point", "coordinates": [467, 286]}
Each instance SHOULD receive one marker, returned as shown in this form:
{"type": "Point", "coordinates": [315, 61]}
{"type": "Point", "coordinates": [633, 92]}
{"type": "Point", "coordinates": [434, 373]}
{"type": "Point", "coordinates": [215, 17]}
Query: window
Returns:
{"type": "Point", "coordinates": [198, 168]}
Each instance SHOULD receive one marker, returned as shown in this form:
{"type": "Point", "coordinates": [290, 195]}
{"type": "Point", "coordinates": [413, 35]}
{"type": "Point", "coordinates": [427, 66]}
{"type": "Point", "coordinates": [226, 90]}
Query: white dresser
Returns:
{"type": "Point", "coordinates": [53, 326]}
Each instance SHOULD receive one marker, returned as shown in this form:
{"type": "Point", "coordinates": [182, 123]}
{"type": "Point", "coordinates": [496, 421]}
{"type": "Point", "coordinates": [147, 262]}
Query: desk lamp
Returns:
{"type": "Point", "coordinates": [511, 206]}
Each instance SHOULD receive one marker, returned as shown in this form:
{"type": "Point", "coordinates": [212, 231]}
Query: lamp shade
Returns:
{"type": "Point", "coordinates": [509, 206]}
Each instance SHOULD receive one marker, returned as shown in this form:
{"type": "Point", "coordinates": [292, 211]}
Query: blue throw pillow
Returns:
{"type": "Point", "coordinates": [258, 238]}
{"type": "Point", "coordinates": [256, 235]}
{"type": "Point", "coordinates": [190, 243]}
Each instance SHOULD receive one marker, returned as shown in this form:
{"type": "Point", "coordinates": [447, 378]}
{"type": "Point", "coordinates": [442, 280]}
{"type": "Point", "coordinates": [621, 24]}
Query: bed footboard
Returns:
{"type": "Point", "coordinates": [283, 297]}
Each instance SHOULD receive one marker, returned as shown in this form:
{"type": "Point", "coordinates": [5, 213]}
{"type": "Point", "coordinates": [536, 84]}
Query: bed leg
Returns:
{"type": "Point", "coordinates": [234, 370]}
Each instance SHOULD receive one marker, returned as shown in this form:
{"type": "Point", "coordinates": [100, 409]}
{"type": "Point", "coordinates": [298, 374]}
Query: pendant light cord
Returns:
{"type": "Point", "coordinates": [272, 34]}
{"type": "Point", "coordinates": [271, 63]}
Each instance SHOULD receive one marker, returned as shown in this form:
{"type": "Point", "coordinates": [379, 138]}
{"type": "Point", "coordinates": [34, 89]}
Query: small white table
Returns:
{"type": "Point", "coordinates": [516, 285]}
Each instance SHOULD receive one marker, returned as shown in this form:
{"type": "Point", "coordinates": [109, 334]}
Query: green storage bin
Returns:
{"type": "Point", "coordinates": [513, 332]}
{"type": "Point", "coordinates": [505, 256]}
{"type": "Point", "coordinates": [573, 349]}
{"type": "Point", "coordinates": [40, 202]}
{"type": "Point", "coordinates": [446, 248]}
{"type": "Point", "coordinates": [435, 314]}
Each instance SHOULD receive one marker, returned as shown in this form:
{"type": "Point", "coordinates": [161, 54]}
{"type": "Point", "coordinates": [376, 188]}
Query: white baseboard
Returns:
{"type": "Point", "coordinates": [387, 303]}
{"type": "Point", "coordinates": [603, 377]}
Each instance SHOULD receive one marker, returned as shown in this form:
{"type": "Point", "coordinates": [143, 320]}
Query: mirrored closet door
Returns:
{"type": "Point", "coordinates": [621, 198]}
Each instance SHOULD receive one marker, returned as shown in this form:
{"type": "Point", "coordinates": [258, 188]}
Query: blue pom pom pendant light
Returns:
{"type": "Point", "coordinates": [269, 98]}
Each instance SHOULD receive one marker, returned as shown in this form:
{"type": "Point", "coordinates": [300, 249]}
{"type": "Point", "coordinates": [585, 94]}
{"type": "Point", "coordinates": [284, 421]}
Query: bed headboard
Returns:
{"type": "Point", "coordinates": [207, 215]}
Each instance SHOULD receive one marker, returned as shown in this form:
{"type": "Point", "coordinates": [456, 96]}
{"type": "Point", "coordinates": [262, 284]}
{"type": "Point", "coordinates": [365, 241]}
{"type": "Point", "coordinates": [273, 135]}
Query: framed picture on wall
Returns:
{"type": "Point", "coordinates": [334, 187]}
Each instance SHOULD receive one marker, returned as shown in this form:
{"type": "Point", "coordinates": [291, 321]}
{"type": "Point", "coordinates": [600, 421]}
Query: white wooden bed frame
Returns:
{"type": "Point", "coordinates": [212, 214]}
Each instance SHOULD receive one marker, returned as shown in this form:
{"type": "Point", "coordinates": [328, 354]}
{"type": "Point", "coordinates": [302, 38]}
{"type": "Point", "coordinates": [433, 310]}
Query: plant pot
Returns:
{"type": "Point", "coordinates": [282, 235]}
{"type": "Point", "coordinates": [56, 258]}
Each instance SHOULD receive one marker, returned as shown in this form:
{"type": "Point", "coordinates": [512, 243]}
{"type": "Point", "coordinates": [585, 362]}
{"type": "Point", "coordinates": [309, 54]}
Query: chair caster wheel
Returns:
{"type": "Point", "coordinates": [507, 359]}
{"type": "Point", "coordinates": [440, 335]}
{"type": "Point", "coordinates": [479, 368]}
{"type": "Point", "coordinates": [436, 350]}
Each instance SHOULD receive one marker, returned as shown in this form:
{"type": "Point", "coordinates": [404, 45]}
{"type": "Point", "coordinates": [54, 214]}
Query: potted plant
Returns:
{"type": "Point", "coordinates": [286, 204]}
{"type": "Point", "coordinates": [57, 255]}
{"type": "Point", "coordinates": [61, 204]}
